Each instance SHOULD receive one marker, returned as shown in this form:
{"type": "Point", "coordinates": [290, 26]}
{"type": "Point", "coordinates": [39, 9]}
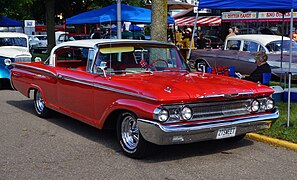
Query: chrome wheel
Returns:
{"type": "Point", "coordinates": [39, 102]}
{"type": "Point", "coordinates": [130, 132]}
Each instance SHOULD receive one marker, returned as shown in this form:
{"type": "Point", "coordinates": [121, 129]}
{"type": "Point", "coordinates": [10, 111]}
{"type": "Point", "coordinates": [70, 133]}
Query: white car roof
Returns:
{"type": "Point", "coordinates": [260, 38]}
{"type": "Point", "coordinates": [93, 42]}
{"type": "Point", "coordinates": [12, 34]}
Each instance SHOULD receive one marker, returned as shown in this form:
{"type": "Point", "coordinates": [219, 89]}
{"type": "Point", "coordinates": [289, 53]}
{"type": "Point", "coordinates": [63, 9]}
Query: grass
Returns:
{"type": "Point", "coordinates": [279, 129]}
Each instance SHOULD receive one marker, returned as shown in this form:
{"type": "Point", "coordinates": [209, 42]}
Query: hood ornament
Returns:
{"type": "Point", "coordinates": [168, 89]}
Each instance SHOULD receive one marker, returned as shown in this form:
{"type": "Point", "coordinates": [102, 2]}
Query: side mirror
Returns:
{"type": "Point", "coordinates": [102, 68]}
{"type": "Point", "coordinates": [37, 59]}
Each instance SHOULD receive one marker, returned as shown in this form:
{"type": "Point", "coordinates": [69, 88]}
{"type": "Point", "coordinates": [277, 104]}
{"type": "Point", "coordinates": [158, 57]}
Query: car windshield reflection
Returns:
{"type": "Point", "coordinates": [131, 59]}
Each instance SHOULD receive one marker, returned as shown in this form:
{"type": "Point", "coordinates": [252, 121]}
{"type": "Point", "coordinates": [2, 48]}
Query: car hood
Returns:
{"type": "Point", "coordinates": [14, 51]}
{"type": "Point", "coordinates": [188, 86]}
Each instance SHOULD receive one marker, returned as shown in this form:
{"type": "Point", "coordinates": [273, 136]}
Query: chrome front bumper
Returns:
{"type": "Point", "coordinates": [165, 134]}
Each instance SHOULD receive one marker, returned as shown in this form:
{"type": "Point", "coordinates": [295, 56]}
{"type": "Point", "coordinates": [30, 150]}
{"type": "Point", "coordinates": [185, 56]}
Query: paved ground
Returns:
{"type": "Point", "coordinates": [63, 148]}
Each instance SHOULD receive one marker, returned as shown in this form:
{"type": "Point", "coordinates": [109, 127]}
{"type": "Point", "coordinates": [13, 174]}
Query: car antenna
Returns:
{"type": "Point", "coordinates": [106, 18]}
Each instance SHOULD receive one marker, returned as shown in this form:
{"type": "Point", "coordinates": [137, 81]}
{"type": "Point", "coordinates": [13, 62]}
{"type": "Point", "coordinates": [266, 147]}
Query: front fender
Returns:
{"type": "Point", "coordinates": [4, 72]}
{"type": "Point", "coordinates": [140, 108]}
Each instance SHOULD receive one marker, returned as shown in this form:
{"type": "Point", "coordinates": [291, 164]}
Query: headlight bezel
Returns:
{"type": "Point", "coordinates": [271, 103]}
{"type": "Point", "coordinates": [161, 114]}
{"type": "Point", "coordinates": [184, 113]}
{"type": "Point", "coordinates": [7, 62]}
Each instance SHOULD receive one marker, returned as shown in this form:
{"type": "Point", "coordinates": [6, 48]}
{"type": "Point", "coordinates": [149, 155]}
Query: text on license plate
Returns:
{"type": "Point", "coordinates": [226, 132]}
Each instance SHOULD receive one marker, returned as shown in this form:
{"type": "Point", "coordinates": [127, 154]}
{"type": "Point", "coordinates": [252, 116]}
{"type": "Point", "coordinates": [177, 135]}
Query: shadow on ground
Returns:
{"type": "Point", "coordinates": [108, 138]}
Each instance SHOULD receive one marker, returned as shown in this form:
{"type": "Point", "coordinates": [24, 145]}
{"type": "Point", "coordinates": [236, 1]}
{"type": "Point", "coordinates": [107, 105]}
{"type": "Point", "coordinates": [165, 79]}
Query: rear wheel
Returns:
{"type": "Point", "coordinates": [39, 105]}
{"type": "Point", "coordinates": [129, 137]}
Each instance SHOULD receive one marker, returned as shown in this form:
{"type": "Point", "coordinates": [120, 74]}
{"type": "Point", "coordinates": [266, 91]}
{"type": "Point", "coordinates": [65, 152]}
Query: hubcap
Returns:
{"type": "Point", "coordinates": [39, 102]}
{"type": "Point", "coordinates": [130, 132]}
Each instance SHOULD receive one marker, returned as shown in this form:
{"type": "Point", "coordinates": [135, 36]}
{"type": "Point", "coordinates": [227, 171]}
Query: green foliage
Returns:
{"type": "Point", "coordinates": [35, 9]}
{"type": "Point", "coordinates": [279, 129]}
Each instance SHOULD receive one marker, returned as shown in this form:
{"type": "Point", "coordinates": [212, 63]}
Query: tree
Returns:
{"type": "Point", "coordinates": [50, 24]}
{"type": "Point", "coordinates": [159, 20]}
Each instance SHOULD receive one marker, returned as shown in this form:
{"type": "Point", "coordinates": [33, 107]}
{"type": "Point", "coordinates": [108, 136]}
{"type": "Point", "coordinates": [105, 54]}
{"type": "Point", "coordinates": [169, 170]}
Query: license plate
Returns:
{"type": "Point", "coordinates": [226, 132]}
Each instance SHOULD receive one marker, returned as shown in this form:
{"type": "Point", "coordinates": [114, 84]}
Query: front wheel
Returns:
{"type": "Point", "coordinates": [129, 137]}
{"type": "Point", "coordinates": [39, 105]}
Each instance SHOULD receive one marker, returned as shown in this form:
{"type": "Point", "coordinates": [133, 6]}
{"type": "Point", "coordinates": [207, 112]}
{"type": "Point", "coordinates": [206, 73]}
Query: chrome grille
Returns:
{"type": "Point", "coordinates": [23, 59]}
{"type": "Point", "coordinates": [220, 109]}
{"type": "Point", "coordinates": [211, 110]}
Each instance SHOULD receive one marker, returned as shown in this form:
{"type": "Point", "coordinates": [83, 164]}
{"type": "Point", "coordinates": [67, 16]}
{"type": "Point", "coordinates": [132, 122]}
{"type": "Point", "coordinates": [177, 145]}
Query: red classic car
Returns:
{"type": "Point", "coordinates": [145, 91]}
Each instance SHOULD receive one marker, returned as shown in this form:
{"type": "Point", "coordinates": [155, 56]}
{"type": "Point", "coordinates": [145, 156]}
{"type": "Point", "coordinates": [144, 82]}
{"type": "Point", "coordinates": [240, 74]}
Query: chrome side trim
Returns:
{"type": "Point", "coordinates": [36, 68]}
{"type": "Point", "coordinates": [164, 134]}
{"type": "Point", "coordinates": [106, 88]}
{"type": "Point", "coordinates": [87, 83]}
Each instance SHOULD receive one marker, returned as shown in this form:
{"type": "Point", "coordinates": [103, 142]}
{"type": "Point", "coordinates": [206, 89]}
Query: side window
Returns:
{"type": "Point", "coordinates": [250, 46]}
{"type": "Point", "coordinates": [233, 45]}
{"type": "Point", "coordinates": [72, 57]}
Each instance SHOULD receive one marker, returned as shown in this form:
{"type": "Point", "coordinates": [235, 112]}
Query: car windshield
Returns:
{"type": "Point", "coordinates": [139, 58]}
{"type": "Point", "coordinates": [275, 46]}
{"type": "Point", "coordinates": [13, 41]}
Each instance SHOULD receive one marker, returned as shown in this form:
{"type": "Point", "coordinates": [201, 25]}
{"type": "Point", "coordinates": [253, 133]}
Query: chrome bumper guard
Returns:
{"type": "Point", "coordinates": [165, 134]}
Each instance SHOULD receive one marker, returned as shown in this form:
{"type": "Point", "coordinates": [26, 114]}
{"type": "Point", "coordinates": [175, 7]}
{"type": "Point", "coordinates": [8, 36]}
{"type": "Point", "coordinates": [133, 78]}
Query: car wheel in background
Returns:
{"type": "Point", "coordinates": [201, 65]}
{"type": "Point", "coordinates": [39, 105]}
{"type": "Point", "coordinates": [129, 137]}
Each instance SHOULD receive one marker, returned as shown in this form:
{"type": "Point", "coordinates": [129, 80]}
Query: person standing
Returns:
{"type": "Point", "coordinates": [232, 32]}
{"type": "Point", "coordinates": [294, 35]}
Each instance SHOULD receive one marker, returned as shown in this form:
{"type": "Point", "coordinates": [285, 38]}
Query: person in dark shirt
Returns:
{"type": "Point", "coordinates": [262, 67]}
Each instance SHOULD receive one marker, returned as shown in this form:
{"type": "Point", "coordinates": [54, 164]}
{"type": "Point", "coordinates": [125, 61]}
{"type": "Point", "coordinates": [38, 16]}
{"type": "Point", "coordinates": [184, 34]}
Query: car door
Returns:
{"type": "Point", "coordinates": [75, 84]}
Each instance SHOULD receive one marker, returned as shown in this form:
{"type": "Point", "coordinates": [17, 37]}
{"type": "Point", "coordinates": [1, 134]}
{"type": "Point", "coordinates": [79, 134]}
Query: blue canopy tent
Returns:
{"type": "Point", "coordinates": [129, 14]}
{"type": "Point", "coordinates": [7, 22]}
{"type": "Point", "coordinates": [267, 5]}
{"type": "Point", "coordinates": [131, 28]}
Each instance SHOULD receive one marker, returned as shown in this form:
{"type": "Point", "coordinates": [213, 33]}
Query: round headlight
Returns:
{"type": "Point", "coordinates": [163, 115]}
{"type": "Point", "coordinates": [255, 106]}
{"type": "Point", "coordinates": [7, 62]}
{"type": "Point", "coordinates": [269, 104]}
{"type": "Point", "coordinates": [186, 113]}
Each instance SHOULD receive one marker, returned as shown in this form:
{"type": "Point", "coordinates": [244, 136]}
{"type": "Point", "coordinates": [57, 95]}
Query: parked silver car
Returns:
{"type": "Point", "coordinates": [239, 52]}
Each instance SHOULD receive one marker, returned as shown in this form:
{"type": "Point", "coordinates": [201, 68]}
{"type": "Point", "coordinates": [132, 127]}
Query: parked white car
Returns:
{"type": "Point", "coordinates": [14, 47]}
{"type": "Point", "coordinates": [38, 42]}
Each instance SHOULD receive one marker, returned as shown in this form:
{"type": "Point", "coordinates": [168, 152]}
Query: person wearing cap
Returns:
{"type": "Point", "coordinates": [187, 37]}
{"type": "Point", "coordinates": [262, 67]}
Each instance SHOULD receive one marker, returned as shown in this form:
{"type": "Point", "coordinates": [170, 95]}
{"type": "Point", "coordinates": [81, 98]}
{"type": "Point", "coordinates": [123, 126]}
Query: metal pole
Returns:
{"type": "Point", "coordinates": [119, 20]}
{"type": "Point", "coordinates": [192, 39]}
{"type": "Point", "coordinates": [283, 26]}
{"type": "Point", "coordinates": [290, 74]}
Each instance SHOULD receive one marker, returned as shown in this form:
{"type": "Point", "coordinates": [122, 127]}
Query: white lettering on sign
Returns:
{"type": "Point", "coordinates": [273, 15]}
{"type": "Point", "coordinates": [238, 15]}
